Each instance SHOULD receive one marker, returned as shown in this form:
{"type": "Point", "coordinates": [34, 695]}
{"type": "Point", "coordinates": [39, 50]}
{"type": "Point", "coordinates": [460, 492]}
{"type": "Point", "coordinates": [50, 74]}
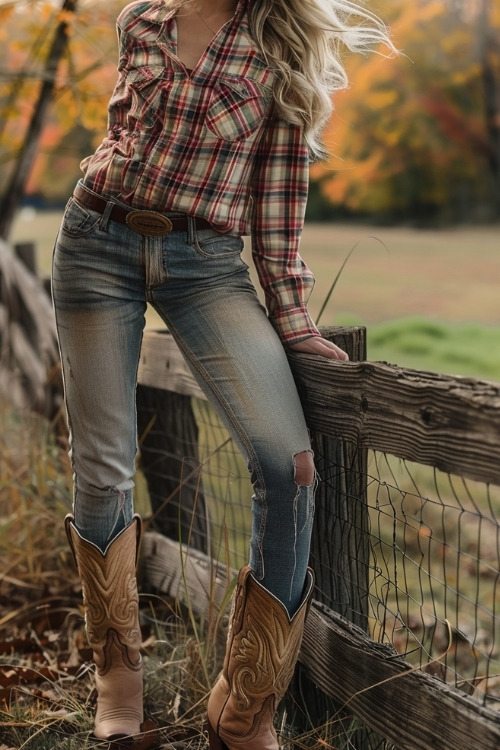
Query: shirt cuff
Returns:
{"type": "Point", "coordinates": [294, 325]}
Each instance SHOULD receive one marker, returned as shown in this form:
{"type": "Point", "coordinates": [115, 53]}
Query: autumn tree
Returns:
{"type": "Point", "coordinates": [42, 91]}
{"type": "Point", "coordinates": [418, 133]}
{"type": "Point", "coordinates": [16, 185]}
{"type": "Point", "coordinates": [57, 70]}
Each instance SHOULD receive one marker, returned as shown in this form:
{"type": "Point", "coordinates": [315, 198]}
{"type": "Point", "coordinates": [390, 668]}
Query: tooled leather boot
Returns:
{"type": "Point", "coordinates": [262, 649]}
{"type": "Point", "coordinates": [111, 603]}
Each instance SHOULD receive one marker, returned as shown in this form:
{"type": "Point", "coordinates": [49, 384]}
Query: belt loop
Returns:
{"type": "Point", "coordinates": [191, 230]}
{"type": "Point", "coordinates": [103, 224]}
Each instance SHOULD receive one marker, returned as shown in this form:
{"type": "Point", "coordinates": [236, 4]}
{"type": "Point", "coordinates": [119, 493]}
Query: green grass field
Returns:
{"type": "Point", "coordinates": [429, 298]}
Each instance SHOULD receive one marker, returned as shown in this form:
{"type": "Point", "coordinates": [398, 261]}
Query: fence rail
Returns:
{"type": "Point", "coordinates": [450, 423]}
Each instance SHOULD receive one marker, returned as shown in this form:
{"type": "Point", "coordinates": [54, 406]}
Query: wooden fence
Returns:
{"type": "Point", "coordinates": [451, 423]}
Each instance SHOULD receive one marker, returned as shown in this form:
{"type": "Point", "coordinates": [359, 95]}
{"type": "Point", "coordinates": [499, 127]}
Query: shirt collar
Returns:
{"type": "Point", "coordinates": [158, 12]}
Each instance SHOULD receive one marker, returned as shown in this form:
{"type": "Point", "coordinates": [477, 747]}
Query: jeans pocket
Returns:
{"type": "Point", "coordinates": [211, 244]}
{"type": "Point", "coordinates": [78, 221]}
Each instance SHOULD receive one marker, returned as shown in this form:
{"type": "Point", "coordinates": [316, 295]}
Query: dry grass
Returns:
{"type": "Point", "coordinates": [46, 688]}
{"type": "Point", "coordinates": [47, 697]}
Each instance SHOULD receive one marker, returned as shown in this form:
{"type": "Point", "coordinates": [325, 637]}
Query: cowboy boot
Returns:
{"type": "Point", "coordinates": [111, 603]}
{"type": "Point", "coordinates": [262, 648]}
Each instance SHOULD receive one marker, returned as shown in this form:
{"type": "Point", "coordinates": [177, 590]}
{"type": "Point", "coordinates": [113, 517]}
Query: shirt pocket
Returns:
{"type": "Point", "coordinates": [145, 92]}
{"type": "Point", "coordinates": [236, 108]}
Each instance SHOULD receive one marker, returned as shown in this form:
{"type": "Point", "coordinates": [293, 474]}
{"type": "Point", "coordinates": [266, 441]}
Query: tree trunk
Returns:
{"type": "Point", "coordinates": [16, 187]}
{"type": "Point", "coordinates": [491, 91]}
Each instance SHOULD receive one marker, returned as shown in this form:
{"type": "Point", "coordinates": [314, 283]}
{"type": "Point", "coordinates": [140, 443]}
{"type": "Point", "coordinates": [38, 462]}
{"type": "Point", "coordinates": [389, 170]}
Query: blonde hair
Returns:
{"type": "Point", "coordinates": [302, 40]}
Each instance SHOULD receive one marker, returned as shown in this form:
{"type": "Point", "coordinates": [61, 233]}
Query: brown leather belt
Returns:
{"type": "Point", "coordinates": [150, 223]}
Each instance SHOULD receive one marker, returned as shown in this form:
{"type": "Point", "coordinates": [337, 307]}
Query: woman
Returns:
{"type": "Point", "coordinates": [218, 107]}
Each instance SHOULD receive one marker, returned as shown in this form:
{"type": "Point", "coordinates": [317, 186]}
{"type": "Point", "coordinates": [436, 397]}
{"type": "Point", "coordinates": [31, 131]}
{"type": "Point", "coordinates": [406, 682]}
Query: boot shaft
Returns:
{"type": "Point", "coordinates": [262, 649]}
{"type": "Point", "coordinates": [109, 586]}
{"type": "Point", "coordinates": [111, 603]}
{"type": "Point", "coordinates": [263, 642]}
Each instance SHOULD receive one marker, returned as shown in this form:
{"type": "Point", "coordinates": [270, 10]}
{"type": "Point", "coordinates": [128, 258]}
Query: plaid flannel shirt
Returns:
{"type": "Point", "coordinates": [205, 143]}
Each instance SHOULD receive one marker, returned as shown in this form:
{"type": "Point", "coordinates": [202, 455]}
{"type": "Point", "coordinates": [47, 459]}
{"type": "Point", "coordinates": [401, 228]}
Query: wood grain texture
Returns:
{"type": "Point", "coordinates": [411, 709]}
{"type": "Point", "coordinates": [450, 422]}
{"type": "Point", "coordinates": [374, 682]}
{"type": "Point", "coordinates": [162, 365]}
{"type": "Point", "coordinates": [188, 575]}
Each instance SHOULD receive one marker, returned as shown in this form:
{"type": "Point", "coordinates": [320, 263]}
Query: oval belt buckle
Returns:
{"type": "Point", "coordinates": [150, 223]}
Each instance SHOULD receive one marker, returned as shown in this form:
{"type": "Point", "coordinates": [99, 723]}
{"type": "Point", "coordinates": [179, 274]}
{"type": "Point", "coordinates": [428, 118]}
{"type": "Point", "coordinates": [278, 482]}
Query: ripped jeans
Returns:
{"type": "Point", "coordinates": [103, 275]}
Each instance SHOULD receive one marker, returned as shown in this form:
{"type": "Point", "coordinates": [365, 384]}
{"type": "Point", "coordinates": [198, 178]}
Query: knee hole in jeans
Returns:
{"type": "Point", "coordinates": [304, 468]}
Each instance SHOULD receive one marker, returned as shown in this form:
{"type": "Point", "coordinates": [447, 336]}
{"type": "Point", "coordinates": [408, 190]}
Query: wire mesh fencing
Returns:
{"type": "Point", "coordinates": [435, 572]}
{"type": "Point", "coordinates": [414, 552]}
{"type": "Point", "coordinates": [197, 488]}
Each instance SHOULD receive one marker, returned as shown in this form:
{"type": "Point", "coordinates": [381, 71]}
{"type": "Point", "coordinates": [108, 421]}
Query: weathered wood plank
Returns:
{"type": "Point", "coordinates": [162, 365]}
{"type": "Point", "coordinates": [446, 421]}
{"type": "Point", "coordinates": [340, 553]}
{"type": "Point", "coordinates": [340, 545]}
{"type": "Point", "coordinates": [450, 422]}
{"type": "Point", "coordinates": [184, 573]}
{"type": "Point", "coordinates": [411, 709]}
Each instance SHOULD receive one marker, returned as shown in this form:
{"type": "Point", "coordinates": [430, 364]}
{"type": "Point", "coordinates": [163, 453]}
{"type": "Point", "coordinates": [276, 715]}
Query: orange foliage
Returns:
{"type": "Point", "coordinates": [85, 78]}
{"type": "Point", "coordinates": [410, 127]}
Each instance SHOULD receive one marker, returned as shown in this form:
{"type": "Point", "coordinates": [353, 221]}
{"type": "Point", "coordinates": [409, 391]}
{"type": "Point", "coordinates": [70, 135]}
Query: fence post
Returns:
{"type": "Point", "coordinates": [168, 437]}
{"type": "Point", "coordinates": [340, 555]}
{"type": "Point", "coordinates": [26, 251]}
{"type": "Point", "coordinates": [339, 547]}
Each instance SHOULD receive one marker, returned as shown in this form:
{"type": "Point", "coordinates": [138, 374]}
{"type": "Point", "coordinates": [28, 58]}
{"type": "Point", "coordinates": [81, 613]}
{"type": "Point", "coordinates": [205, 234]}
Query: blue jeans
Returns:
{"type": "Point", "coordinates": [103, 276]}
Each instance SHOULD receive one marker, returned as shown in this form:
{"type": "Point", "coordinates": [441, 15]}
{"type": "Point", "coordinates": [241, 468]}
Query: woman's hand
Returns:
{"type": "Point", "coordinates": [321, 346]}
